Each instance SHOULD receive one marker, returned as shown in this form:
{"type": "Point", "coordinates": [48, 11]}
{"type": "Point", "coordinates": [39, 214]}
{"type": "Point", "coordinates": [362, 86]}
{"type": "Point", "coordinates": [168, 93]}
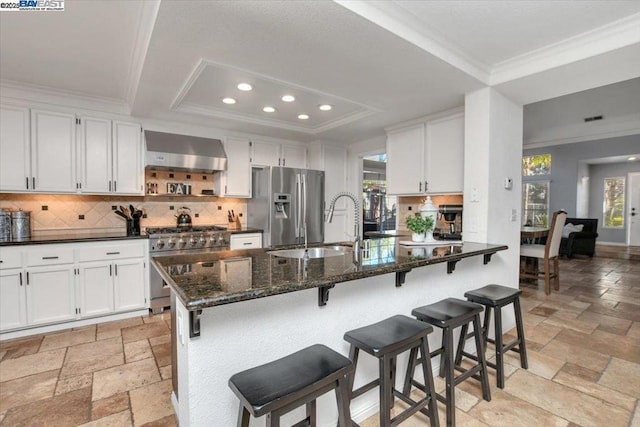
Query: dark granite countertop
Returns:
{"type": "Point", "coordinates": [70, 237]}
{"type": "Point", "coordinates": [201, 280]}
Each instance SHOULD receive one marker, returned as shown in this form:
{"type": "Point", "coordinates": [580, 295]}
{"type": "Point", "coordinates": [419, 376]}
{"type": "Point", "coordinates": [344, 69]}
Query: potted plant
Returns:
{"type": "Point", "coordinates": [418, 225]}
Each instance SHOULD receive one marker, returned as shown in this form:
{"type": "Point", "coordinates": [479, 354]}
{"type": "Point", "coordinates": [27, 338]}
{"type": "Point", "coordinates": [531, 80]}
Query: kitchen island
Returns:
{"type": "Point", "coordinates": [237, 309]}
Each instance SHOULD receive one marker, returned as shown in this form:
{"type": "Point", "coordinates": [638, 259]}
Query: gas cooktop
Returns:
{"type": "Point", "coordinates": [194, 229]}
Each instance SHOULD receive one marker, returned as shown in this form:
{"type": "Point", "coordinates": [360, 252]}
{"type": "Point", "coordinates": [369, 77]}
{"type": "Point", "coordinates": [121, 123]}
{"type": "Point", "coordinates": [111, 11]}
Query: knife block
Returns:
{"type": "Point", "coordinates": [234, 224]}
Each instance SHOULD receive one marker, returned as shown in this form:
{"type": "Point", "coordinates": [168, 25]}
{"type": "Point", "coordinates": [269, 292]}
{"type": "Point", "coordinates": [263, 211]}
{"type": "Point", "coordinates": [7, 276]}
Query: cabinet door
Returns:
{"type": "Point", "coordinates": [129, 285]}
{"type": "Point", "coordinates": [53, 151]}
{"type": "Point", "coordinates": [444, 156]}
{"type": "Point", "coordinates": [237, 177]}
{"type": "Point", "coordinates": [50, 294]}
{"type": "Point", "coordinates": [127, 158]}
{"type": "Point", "coordinates": [96, 288]}
{"type": "Point", "coordinates": [405, 156]}
{"type": "Point", "coordinates": [265, 153]}
{"type": "Point", "coordinates": [95, 155]}
{"type": "Point", "coordinates": [12, 299]}
{"type": "Point", "coordinates": [294, 156]}
{"type": "Point", "coordinates": [15, 168]}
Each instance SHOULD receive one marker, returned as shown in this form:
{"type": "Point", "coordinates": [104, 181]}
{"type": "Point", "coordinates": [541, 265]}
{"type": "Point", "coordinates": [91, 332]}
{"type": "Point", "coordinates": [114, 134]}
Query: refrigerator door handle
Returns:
{"type": "Point", "coordinates": [298, 209]}
{"type": "Point", "coordinates": [303, 224]}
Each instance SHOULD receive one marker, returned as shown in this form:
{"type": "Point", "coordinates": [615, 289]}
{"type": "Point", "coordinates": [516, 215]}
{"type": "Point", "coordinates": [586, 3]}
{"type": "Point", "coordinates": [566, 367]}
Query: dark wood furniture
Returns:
{"type": "Point", "coordinates": [448, 315]}
{"type": "Point", "coordinates": [298, 379]}
{"type": "Point", "coordinates": [494, 297]}
{"type": "Point", "coordinates": [385, 340]}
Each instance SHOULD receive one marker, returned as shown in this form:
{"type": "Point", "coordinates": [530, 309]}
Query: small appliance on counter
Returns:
{"type": "Point", "coordinates": [14, 225]}
{"type": "Point", "coordinates": [452, 216]}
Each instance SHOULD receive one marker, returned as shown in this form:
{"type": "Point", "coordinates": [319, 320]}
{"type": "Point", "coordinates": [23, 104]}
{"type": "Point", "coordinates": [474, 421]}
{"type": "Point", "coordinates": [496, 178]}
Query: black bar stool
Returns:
{"type": "Point", "coordinates": [495, 297]}
{"type": "Point", "coordinates": [449, 314]}
{"type": "Point", "coordinates": [385, 340]}
{"type": "Point", "coordinates": [295, 380]}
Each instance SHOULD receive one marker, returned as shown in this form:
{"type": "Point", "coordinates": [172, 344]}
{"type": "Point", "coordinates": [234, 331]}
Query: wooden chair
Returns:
{"type": "Point", "coordinates": [547, 252]}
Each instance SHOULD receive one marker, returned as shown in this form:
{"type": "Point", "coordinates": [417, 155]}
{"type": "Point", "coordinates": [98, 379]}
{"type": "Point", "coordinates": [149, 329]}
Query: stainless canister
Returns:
{"type": "Point", "coordinates": [20, 225]}
{"type": "Point", "coordinates": [5, 225]}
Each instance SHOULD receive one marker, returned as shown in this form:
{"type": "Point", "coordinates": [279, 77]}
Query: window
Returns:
{"type": "Point", "coordinates": [535, 203]}
{"type": "Point", "coordinates": [536, 165]}
{"type": "Point", "coordinates": [613, 202]}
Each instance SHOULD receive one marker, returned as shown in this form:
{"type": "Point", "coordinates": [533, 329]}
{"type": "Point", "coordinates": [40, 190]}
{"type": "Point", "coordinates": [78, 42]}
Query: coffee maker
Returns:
{"type": "Point", "coordinates": [452, 216]}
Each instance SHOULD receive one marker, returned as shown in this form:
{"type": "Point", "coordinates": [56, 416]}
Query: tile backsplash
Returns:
{"type": "Point", "coordinates": [411, 204]}
{"type": "Point", "coordinates": [57, 213]}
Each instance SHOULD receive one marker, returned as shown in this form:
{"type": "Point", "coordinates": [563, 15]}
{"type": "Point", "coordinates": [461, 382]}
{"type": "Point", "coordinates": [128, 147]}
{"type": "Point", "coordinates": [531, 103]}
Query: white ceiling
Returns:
{"type": "Point", "coordinates": [380, 63]}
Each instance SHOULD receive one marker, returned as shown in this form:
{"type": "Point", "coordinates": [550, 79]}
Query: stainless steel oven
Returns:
{"type": "Point", "coordinates": [179, 241]}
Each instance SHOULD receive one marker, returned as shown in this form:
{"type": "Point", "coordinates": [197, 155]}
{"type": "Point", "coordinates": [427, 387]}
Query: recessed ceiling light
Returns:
{"type": "Point", "coordinates": [245, 86]}
{"type": "Point", "coordinates": [288, 98]}
{"type": "Point", "coordinates": [303, 116]}
{"type": "Point", "coordinates": [325, 107]}
{"type": "Point", "coordinates": [229, 101]}
{"type": "Point", "coordinates": [632, 158]}
{"type": "Point", "coordinates": [269, 109]}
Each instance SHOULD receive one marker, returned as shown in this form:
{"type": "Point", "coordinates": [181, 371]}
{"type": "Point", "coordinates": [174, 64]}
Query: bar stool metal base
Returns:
{"type": "Point", "coordinates": [385, 340]}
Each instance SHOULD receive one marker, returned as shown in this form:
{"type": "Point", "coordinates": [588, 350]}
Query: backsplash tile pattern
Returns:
{"type": "Point", "coordinates": [63, 211]}
{"type": "Point", "coordinates": [415, 202]}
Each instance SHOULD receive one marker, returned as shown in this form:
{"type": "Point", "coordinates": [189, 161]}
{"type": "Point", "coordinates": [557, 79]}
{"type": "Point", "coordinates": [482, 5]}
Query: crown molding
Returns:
{"type": "Point", "coordinates": [581, 138]}
{"type": "Point", "coordinates": [31, 93]}
{"type": "Point", "coordinates": [147, 20]}
{"type": "Point", "coordinates": [607, 38]}
{"type": "Point", "coordinates": [433, 118]}
{"type": "Point", "coordinates": [402, 23]}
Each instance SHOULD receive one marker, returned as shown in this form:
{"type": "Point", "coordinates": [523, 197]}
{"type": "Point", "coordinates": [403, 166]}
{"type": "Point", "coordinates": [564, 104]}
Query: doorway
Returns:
{"type": "Point", "coordinates": [633, 207]}
{"type": "Point", "coordinates": [379, 209]}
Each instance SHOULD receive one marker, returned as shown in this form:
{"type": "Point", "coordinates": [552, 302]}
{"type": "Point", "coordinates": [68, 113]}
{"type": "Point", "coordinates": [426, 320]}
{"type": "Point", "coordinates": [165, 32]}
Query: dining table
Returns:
{"type": "Point", "coordinates": [530, 234]}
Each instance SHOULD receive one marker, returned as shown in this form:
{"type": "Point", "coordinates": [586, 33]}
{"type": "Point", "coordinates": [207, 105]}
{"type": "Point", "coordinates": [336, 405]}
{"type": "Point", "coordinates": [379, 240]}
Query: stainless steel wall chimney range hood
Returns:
{"type": "Point", "coordinates": [168, 151]}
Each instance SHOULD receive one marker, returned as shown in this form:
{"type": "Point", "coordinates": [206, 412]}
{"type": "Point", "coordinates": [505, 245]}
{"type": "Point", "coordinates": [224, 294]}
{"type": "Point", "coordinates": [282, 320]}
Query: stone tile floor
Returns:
{"type": "Point", "coordinates": [583, 344]}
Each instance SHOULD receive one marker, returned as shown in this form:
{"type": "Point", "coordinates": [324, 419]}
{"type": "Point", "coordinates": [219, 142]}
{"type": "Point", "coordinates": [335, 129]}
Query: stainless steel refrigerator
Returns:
{"type": "Point", "coordinates": [283, 201]}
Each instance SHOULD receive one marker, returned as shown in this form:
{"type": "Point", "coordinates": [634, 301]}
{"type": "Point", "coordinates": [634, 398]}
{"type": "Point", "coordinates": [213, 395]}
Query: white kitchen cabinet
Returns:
{"type": "Point", "coordinates": [15, 151]}
{"type": "Point", "coordinates": [405, 156]}
{"type": "Point", "coordinates": [53, 151]}
{"type": "Point", "coordinates": [12, 299]}
{"type": "Point", "coordinates": [96, 288]}
{"type": "Point", "coordinates": [128, 280]}
{"type": "Point", "coordinates": [111, 157]}
{"type": "Point", "coordinates": [235, 181]}
{"type": "Point", "coordinates": [245, 241]}
{"type": "Point", "coordinates": [50, 294]}
{"type": "Point", "coordinates": [127, 158]}
{"type": "Point", "coordinates": [426, 157]}
{"type": "Point", "coordinates": [268, 153]}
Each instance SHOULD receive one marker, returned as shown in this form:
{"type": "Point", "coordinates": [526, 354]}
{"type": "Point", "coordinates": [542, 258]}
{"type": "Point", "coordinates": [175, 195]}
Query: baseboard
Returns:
{"type": "Point", "coordinates": [611, 244]}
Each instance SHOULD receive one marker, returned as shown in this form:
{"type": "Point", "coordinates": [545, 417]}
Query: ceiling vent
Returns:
{"type": "Point", "coordinates": [593, 119]}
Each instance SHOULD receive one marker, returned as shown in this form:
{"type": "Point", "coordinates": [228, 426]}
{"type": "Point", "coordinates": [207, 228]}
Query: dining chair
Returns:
{"type": "Point", "coordinates": [547, 252]}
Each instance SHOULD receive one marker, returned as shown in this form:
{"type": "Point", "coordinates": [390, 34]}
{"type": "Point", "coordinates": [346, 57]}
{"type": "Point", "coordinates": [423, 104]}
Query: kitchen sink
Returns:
{"type": "Point", "coordinates": [321, 252]}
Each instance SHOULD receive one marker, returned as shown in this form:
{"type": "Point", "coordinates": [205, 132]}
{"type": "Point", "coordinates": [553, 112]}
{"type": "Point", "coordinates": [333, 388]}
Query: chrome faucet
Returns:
{"type": "Point", "coordinates": [356, 205]}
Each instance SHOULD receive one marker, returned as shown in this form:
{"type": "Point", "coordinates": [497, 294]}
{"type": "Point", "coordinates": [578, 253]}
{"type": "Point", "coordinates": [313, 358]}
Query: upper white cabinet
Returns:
{"type": "Point", "coordinates": [15, 152]}
{"type": "Point", "coordinates": [235, 181]}
{"type": "Point", "coordinates": [427, 157]}
{"type": "Point", "coordinates": [53, 151]}
{"type": "Point", "coordinates": [111, 157]}
{"type": "Point", "coordinates": [267, 153]}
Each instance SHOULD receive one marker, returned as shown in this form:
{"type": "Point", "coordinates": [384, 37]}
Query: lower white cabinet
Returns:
{"type": "Point", "coordinates": [13, 307]}
{"type": "Point", "coordinates": [128, 293]}
{"type": "Point", "coordinates": [245, 241]}
{"type": "Point", "coordinates": [50, 294]}
{"type": "Point", "coordinates": [48, 284]}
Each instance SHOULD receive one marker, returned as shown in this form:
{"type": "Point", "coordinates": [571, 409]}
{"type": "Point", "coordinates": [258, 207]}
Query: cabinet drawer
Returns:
{"type": "Point", "coordinates": [245, 241]}
{"type": "Point", "coordinates": [49, 255]}
{"type": "Point", "coordinates": [10, 258]}
{"type": "Point", "coordinates": [102, 252]}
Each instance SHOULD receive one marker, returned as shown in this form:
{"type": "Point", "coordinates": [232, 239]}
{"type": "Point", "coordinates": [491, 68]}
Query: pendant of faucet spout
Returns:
{"type": "Point", "coordinates": [356, 212]}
